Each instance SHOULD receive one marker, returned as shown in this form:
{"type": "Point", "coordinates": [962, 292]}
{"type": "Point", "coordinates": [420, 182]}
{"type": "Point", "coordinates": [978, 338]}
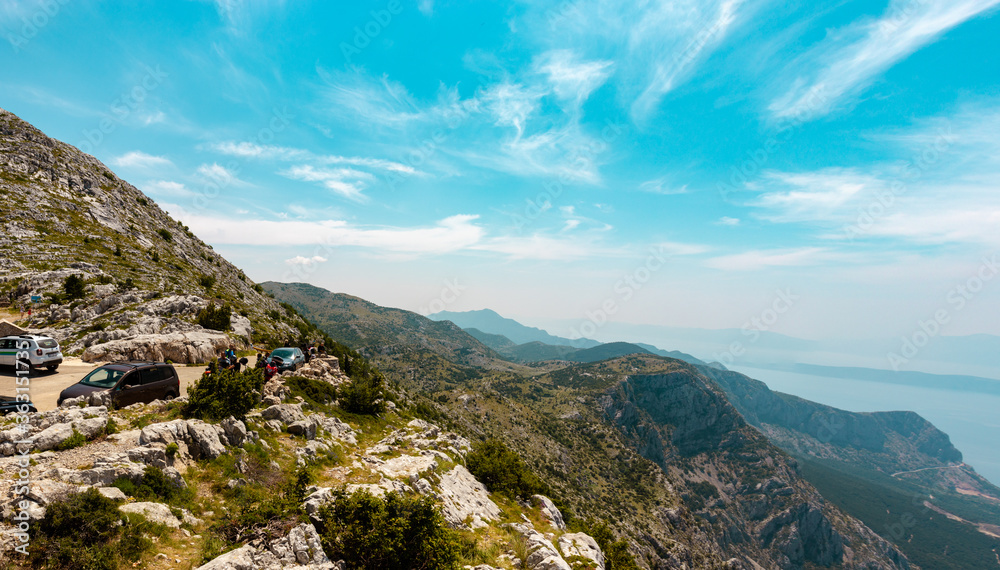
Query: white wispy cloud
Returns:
{"type": "Point", "coordinates": [253, 150]}
{"type": "Point", "coordinates": [347, 182]}
{"type": "Point", "coordinates": [306, 261]}
{"type": "Point", "coordinates": [656, 45]}
{"type": "Point", "coordinates": [845, 63]}
{"type": "Point", "coordinates": [167, 188]}
{"type": "Point", "coordinates": [678, 248]}
{"type": "Point", "coordinates": [728, 221]}
{"type": "Point", "coordinates": [762, 259]}
{"type": "Point", "coordinates": [819, 195]}
{"type": "Point", "coordinates": [572, 79]}
{"type": "Point", "coordinates": [449, 235]}
{"type": "Point", "coordinates": [139, 159]}
{"type": "Point", "coordinates": [662, 186]}
{"type": "Point", "coordinates": [943, 189]}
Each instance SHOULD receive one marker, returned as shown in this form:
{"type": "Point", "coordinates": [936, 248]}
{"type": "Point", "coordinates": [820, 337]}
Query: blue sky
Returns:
{"type": "Point", "coordinates": [676, 163]}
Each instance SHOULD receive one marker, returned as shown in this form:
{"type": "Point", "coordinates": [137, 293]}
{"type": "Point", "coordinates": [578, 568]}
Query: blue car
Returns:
{"type": "Point", "coordinates": [287, 358]}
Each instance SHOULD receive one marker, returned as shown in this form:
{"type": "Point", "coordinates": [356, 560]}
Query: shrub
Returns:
{"type": "Point", "coordinates": [502, 470]}
{"type": "Point", "coordinates": [616, 554]}
{"type": "Point", "coordinates": [154, 486]}
{"type": "Point", "coordinates": [126, 285]}
{"type": "Point", "coordinates": [207, 281]}
{"type": "Point", "coordinates": [172, 449]}
{"type": "Point", "coordinates": [166, 235]}
{"type": "Point", "coordinates": [86, 531]}
{"type": "Point", "coordinates": [118, 251]}
{"type": "Point", "coordinates": [155, 257]}
{"type": "Point", "coordinates": [74, 287]}
{"type": "Point", "coordinates": [224, 393]}
{"type": "Point", "coordinates": [392, 533]}
{"type": "Point", "coordinates": [73, 441]}
{"type": "Point", "coordinates": [318, 393]}
{"type": "Point", "coordinates": [217, 318]}
{"type": "Point", "coordinates": [364, 395]}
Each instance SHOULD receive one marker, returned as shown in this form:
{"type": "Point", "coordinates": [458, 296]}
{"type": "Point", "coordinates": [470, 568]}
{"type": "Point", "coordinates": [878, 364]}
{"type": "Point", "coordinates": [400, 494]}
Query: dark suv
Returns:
{"type": "Point", "coordinates": [129, 383]}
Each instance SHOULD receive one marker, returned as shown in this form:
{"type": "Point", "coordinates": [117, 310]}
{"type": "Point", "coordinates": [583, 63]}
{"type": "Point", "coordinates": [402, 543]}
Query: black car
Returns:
{"type": "Point", "coordinates": [288, 358]}
{"type": "Point", "coordinates": [129, 383]}
{"type": "Point", "coordinates": [10, 404]}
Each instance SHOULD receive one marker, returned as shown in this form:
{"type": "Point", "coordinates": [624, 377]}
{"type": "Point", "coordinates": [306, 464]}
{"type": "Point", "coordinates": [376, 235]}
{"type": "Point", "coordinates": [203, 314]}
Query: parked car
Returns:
{"type": "Point", "coordinates": [129, 383]}
{"type": "Point", "coordinates": [43, 351]}
{"type": "Point", "coordinates": [10, 404]}
{"type": "Point", "coordinates": [288, 358]}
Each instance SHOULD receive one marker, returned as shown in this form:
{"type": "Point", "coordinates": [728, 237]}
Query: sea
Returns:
{"type": "Point", "coordinates": [971, 420]}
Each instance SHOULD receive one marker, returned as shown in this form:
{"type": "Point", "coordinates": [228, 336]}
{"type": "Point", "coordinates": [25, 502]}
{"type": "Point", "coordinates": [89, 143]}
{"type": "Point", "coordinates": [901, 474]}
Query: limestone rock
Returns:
{"type": "Point", "coordinates": [464, 496]}
{"type": "Point", "coordinates": [584, 545]}
{"type": "Point", "coordinates": [549, 511]}
{"type": "Point", "coordinates": [155, 512]}
{"type": "Point", "coordinates": [52, 436]}
{"type": "Point", "coordinates": [180, 347]}
{"type": "Point", "coordinates": [284, 413]}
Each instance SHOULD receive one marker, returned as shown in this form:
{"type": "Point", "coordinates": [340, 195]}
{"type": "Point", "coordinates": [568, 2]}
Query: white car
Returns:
{"type": "Point", "coordinates": [43, 351]}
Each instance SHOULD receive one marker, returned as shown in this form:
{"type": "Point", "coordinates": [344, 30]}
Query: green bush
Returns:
{"type": "Point", "coordinates": [118, 250]}
{"type": "Point", "coordinates": [73, 441]}
{"type": "Point", "coordinates": [502, 470]}
{"type": "Point", "coordinates": [391, 533]}
{"type": "Point", "coordinates": [86, 531]}
{"type": "Point", "coordinates": [74, 287]}
{"type": "Point", "coordinates": [207, 281]}
{"type": "Point", "coordinates": [616, 554]}
{"type": "Point", "coordinates": [166, 235]}
{"type": "Point", "coordinates": [224, 393]}
{"type": "Point", "coordinates": [317, 393]}
{"type": "Point", "coordinates": [364, 395]}
{"type": "Point", "coordinates": [217, 318]}
{"type": "Point", "coordinates": [154, 486]}
{"type": "Point", "coordinates": [126, 285]}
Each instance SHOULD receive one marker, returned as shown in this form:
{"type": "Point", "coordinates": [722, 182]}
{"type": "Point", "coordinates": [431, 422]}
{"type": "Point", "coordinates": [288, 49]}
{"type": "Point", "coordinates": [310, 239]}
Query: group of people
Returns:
{"type": "Point", "coordinates": [229, 361]}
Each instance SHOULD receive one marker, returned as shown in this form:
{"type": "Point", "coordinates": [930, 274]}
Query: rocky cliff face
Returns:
{"type": "Point", "coordinates": [890, 442]}
{"type": "Point", "coordinates": [763, 512]}
{"type": "Point", "coordinates": [65, 213]}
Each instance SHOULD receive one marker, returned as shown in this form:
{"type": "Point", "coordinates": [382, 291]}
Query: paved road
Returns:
{"type": "Point", "coordinates": [45, 387]}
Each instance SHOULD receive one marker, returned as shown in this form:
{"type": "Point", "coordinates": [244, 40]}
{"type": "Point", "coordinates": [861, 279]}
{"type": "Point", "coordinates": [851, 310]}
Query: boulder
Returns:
{"type": "Point", "coordinates": [549, 511]}
{"type": "Point", "coordinates": [180, 347]}
{"type": "Point", "coordinates": [204, 438]}
{"type": "Point", "coordinates": [463, 496]}
{"type": "Point", "coordinates": [300, 550]}
{"type": "Point", "coordinates": [583, 545]}
{"type": "Point", "coordinates": [52, 436]}
{"type": "Point", "coordinates": [284, 413]}
{"type": "Point", "coordinates": [155, 512]}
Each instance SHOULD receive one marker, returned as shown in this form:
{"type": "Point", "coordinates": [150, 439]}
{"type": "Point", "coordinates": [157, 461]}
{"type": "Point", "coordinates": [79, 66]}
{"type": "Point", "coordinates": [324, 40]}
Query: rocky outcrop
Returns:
{"type": "Point", "coordinates": [549, 511]}
{"type": "Point", "coordinates": [464, 498]}
{"type": "Point", "coordinates": [583, 545]}
{"type": "Point", "coordinates": [197, 438]}
{"type": "Point", "coordinates": [301, 550]}
{"type": "Point", "coordinates": [181, 347]}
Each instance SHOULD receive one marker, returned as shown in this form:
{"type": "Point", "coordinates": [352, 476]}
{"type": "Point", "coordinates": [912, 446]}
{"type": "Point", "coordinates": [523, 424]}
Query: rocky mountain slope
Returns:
{"type": "Point", "coordinates": [65, 213]}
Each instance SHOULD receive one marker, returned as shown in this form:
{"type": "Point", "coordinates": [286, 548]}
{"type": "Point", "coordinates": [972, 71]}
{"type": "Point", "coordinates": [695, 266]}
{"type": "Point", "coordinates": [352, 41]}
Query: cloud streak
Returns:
{"type": "Point", "coordinates": [846, 63]}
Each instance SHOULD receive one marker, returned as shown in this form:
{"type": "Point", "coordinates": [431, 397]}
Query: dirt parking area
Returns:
{"type": "Point", "coordinates": [45, 386]}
